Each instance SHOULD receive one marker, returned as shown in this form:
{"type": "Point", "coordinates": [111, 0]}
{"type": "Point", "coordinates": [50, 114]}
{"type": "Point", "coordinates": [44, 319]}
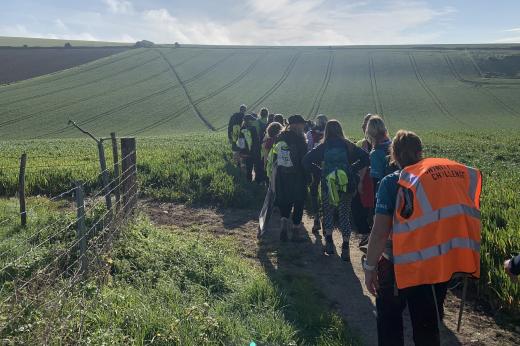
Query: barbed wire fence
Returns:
{"type": "Point", "coordinates": [68, 250]}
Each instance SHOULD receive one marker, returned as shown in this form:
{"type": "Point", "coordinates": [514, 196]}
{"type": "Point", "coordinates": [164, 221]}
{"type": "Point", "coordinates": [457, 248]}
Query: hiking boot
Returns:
{"type": "Point", "coordinates": [364, 241]}
{"type": "Point", "coordinates": [345, 251]}
{"type": "Point", "coordinates": [317, 226]}
{"type": "Point", "coordinates": [329, 245]}
{"type": "Point", "coordinates": [284, 229]}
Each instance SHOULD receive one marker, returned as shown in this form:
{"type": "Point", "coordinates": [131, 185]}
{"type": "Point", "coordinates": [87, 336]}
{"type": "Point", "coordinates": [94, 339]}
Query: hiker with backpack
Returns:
{"type": "Point", "coordinates": [340, 161]}
{"type": "Point", "coordinates": [314, 137]}
{"type": "Point", "coordinates": [426, 229]}
{"type": "Point", "coordinates": [249, 145]}
{"type": "Point", "coordinates": [363, 202]}
{"type": "Point", "coordinates": [234, 126]}
{"type": "Point", "coordinates": [261, 123]}
{"type": "Point", "coordinates": [290, 180]}
{"type": "Point", "coordinates": [377, 135]}
{"type": "Point", "coordinates": [273, 130]}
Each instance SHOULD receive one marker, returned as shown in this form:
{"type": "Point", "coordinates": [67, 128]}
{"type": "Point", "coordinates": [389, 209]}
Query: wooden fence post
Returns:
{"type": "Point", "coordinates": [129, 169]}
{"type": "Point", "coordinates": [115, 154]}
{"type": "Point", "coordinates": [21, 189]}
{"type": "Point", "coordinates": [104, 177]}
{"type": "Point", "coordinates": [81, 231]}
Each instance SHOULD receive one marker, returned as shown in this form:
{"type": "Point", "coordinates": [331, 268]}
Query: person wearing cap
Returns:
{"type": "Point", "coordinates": [290, 180]}
{"type": "Point", "coordinates": [234, 127]}
{"type": "Point", "coordinates": [512, 266]}
{"type": "Point", "coordinates": [250, 147]}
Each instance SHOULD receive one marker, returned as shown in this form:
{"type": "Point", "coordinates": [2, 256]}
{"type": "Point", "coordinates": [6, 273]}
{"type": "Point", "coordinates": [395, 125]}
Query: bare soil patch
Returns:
{"type": "Point", "coordinates": [341, 283]}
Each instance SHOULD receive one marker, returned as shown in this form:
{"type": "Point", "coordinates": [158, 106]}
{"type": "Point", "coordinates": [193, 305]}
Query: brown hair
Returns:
{"type": "Point", "coordinates": [365, 122]}
{"type": "Point", "coordinates": [406, 148]}
{"type": "Point", "coordinates": [333, 130]}
{"type": "Point", "coordinates": [376, 130]}
{"type": "Point", "coordinates": [264, 112]}
{"type": "Point", "coordinates": [274, 129]}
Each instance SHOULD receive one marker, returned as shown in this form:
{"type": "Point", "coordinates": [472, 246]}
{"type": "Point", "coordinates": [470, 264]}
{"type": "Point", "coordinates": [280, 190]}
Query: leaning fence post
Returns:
{"type": "Point", "coordinates": [81, 231]}
{"type": "Point", "coordinates": [129, 169]}
{"type": "Point", "coordinates": [21, 189]}
{"type": "Point", "coordinates": [104, 176]}
{"type": "Point", "coordinates": [115, 154]}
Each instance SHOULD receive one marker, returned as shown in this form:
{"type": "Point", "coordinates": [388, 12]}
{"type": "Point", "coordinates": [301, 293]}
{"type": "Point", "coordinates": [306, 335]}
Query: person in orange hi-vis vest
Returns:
{"type": "Point", "coordinates": [426, 229]}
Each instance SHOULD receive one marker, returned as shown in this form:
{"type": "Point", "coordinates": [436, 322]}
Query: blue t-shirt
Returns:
{"type": "Point", "coordinates": [378, 161]}
{"type": "Point", "coordinates": [387, 194]}
{"type": "Point", "coordinates": [385, 205]}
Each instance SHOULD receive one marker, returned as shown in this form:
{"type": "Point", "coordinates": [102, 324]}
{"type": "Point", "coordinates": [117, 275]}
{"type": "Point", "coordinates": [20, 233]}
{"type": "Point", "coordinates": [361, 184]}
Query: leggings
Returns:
{"type": "Point", "coordinates": [344, 210]}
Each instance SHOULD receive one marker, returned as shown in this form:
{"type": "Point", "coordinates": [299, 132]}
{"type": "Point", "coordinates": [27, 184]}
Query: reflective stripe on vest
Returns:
{"type": "Point", "coordinates": [440, 235]}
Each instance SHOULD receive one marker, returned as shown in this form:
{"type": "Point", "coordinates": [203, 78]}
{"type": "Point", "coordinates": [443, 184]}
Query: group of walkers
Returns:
{"type": "Point", "coordinates": [422, 214]}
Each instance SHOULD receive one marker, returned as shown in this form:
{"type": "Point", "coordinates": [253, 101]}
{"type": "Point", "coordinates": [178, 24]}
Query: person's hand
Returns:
{"type": "Point", "coordinates": [371, 282]}
{"type": "Point", "coordinates": [507, 268]}
{"type": "Point", "coordinates": [360, 188]}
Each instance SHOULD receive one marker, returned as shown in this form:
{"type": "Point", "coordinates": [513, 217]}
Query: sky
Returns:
{"type": "Point", "coordinates": [266, 22]}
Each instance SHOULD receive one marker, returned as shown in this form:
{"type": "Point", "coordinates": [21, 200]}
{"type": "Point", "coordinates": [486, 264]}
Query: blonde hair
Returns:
{"type": "Point", "coordinates": [376, 130]}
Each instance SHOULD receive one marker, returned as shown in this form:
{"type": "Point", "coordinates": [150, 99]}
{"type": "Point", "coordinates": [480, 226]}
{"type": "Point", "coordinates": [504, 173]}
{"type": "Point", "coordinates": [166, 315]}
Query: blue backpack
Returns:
{"type": "Point", "coordinates": [336, 159]}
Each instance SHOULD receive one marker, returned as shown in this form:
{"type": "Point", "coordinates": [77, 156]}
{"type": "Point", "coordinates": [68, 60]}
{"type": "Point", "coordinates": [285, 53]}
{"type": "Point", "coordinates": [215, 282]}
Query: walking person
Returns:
{"type": "Point", "coordinates": [340, 161]}
{"type": "Point", "coordinates": [377, 135]}
{"type": "Point", "coordinates": [363, 202]}
{"type": "Point", "coordinates": [426, 228]}
{"type": "Point", "coordinates": [272, 132]}
{"type": "Point", "coordinates": [234, 127]}
{"type": "Point", "coordinates": [249, 146]}
{"type": "Point", "coordinates": [314, 138]}
{"type": "Point", "coordinates": [512, 266]}
{"type": "Point", "coordinates": [290, 181]}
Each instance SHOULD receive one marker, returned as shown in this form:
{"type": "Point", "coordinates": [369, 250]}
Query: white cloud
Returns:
{"type": "Point", "coordinates": [513, 30]}
{"type": "Point", "coordinates": [514, 39]}
{"type": "Point", "coordinates": [119, 6]}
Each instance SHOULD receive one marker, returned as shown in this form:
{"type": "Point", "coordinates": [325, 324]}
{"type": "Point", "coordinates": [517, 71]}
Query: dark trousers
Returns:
{"type": "Point", "coordinates": [315, 196]}
{"type": "Point", "coordinates": [361, 215]}
{"type": "Point", "coordinates": [256, 164]}
{"type": "Point", "coordinates": [420, 302]}
{"type": "Point", "coordinates": [296, 208]}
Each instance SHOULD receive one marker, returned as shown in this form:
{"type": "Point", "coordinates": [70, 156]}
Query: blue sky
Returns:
{"type": "Point", "coordinates": [272, 22]}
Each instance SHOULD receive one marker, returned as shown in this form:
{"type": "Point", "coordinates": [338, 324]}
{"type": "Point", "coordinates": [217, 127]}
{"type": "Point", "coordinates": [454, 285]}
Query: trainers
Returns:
{"type": "Point", "coordinates": [364, 241]}
{"type": "Point", "coordinates": [345, 252]}
{"type": "Point", "coordinates": [284, 229]}
{"type": "Point", "coordinates": [317, 225]}
{"type": "Point", "coordinates": [329, 245]}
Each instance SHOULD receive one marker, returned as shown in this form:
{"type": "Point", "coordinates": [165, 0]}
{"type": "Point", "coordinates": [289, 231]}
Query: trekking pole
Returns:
{"type": "Point", "coordinates": [461, 309]}
{"type": "Point", "coordinates": [437, 311]}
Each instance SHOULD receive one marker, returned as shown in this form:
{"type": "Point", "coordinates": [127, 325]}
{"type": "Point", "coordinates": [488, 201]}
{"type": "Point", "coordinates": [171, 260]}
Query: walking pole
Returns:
{"type": "Point", "coordinates": [437, 311]}
{"type": "Point", "coordinates": [461, 309]}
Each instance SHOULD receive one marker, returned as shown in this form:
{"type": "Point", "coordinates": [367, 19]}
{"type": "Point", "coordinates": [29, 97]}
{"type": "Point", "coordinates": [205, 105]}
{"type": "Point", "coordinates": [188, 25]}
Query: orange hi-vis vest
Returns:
{"type": "Point", "coordinates": [440, 235]}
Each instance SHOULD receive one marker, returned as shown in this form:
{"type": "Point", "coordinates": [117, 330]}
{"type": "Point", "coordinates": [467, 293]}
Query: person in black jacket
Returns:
{"type": "Point", "coordinates": [249, 145]}
{"type": "Point", "coordinates": [337, 153]}
{"type": "Point", "coordinates": [512, 266]}
{"type": "Point", "coordinates": [290, 179]}
{"type": "Point", "coordinates": [234, 125]}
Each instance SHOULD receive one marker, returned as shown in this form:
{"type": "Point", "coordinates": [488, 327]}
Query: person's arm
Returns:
{"type": "Point", "coordinates": [376, 245]}
{"type": "Point", "coordinates": [361, 159]}
{"type": "Point", "coordinates": [313, 157]}
{"type": "Point", "coordinates": [230, 128]}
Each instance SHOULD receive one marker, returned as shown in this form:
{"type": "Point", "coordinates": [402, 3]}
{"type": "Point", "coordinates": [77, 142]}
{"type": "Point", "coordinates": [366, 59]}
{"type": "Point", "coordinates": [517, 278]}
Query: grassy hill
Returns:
{"type": "Point", "coordinates": [138, 91]}
{"type": "Point", "coordinates": [48, 42]}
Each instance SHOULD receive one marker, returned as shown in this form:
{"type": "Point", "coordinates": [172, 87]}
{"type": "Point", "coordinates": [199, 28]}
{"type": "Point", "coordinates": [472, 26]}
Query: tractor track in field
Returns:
{"type": "Point", "coordinates": [192, 79]}
{"type": "Point", "coordinates": [188, 96]}
{"type": "Point", "coordinates": [132, 68]}
{"type": "Point", "coordinates": [324, 85]}
{"type": "Point", "coordinates": [279, 82]}
{"type": "Point", "coordinates": [214, 93]}
{"type": "Point", "coordinates": [91, 97]}
{"type": "Point", "coordinates": [95, 66]}
{"type": "Point", "coordinates": [373, 84]}
{"type": "Point", "coordinates": [455, 73]}
{"type": "Point", "coordinates": [430, 92]}
{"type": "Point", "coordinates": [129, 104]}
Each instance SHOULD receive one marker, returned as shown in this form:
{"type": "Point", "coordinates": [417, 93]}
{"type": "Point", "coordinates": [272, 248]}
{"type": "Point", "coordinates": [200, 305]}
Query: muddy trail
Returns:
{"type": "Point", "coordinates": [339, 282]}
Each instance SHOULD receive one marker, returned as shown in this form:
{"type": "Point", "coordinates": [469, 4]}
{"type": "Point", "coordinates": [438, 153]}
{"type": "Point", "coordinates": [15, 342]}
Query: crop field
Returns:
{"type": "Point", "coordinates": [162, 91]}
{"type": "Point", "coordinates": [178, 286]}
{"type": "Point", "coordinates": [24, 63]}
{"type": "Point", "coordinates": [48, 42]}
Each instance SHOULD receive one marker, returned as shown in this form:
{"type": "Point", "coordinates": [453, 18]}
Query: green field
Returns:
{"type": "Point", "coordinates": [137, 92]}
{"type": "Point", "coordinates": [48, 42]}
{"type": "Point", "coordinates": [178, 288]}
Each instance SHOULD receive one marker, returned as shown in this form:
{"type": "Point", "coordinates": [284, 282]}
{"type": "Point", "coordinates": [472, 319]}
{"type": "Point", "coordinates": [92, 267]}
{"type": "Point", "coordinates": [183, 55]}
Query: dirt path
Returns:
{"type": "Point", "coordinates": [340, 282]}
